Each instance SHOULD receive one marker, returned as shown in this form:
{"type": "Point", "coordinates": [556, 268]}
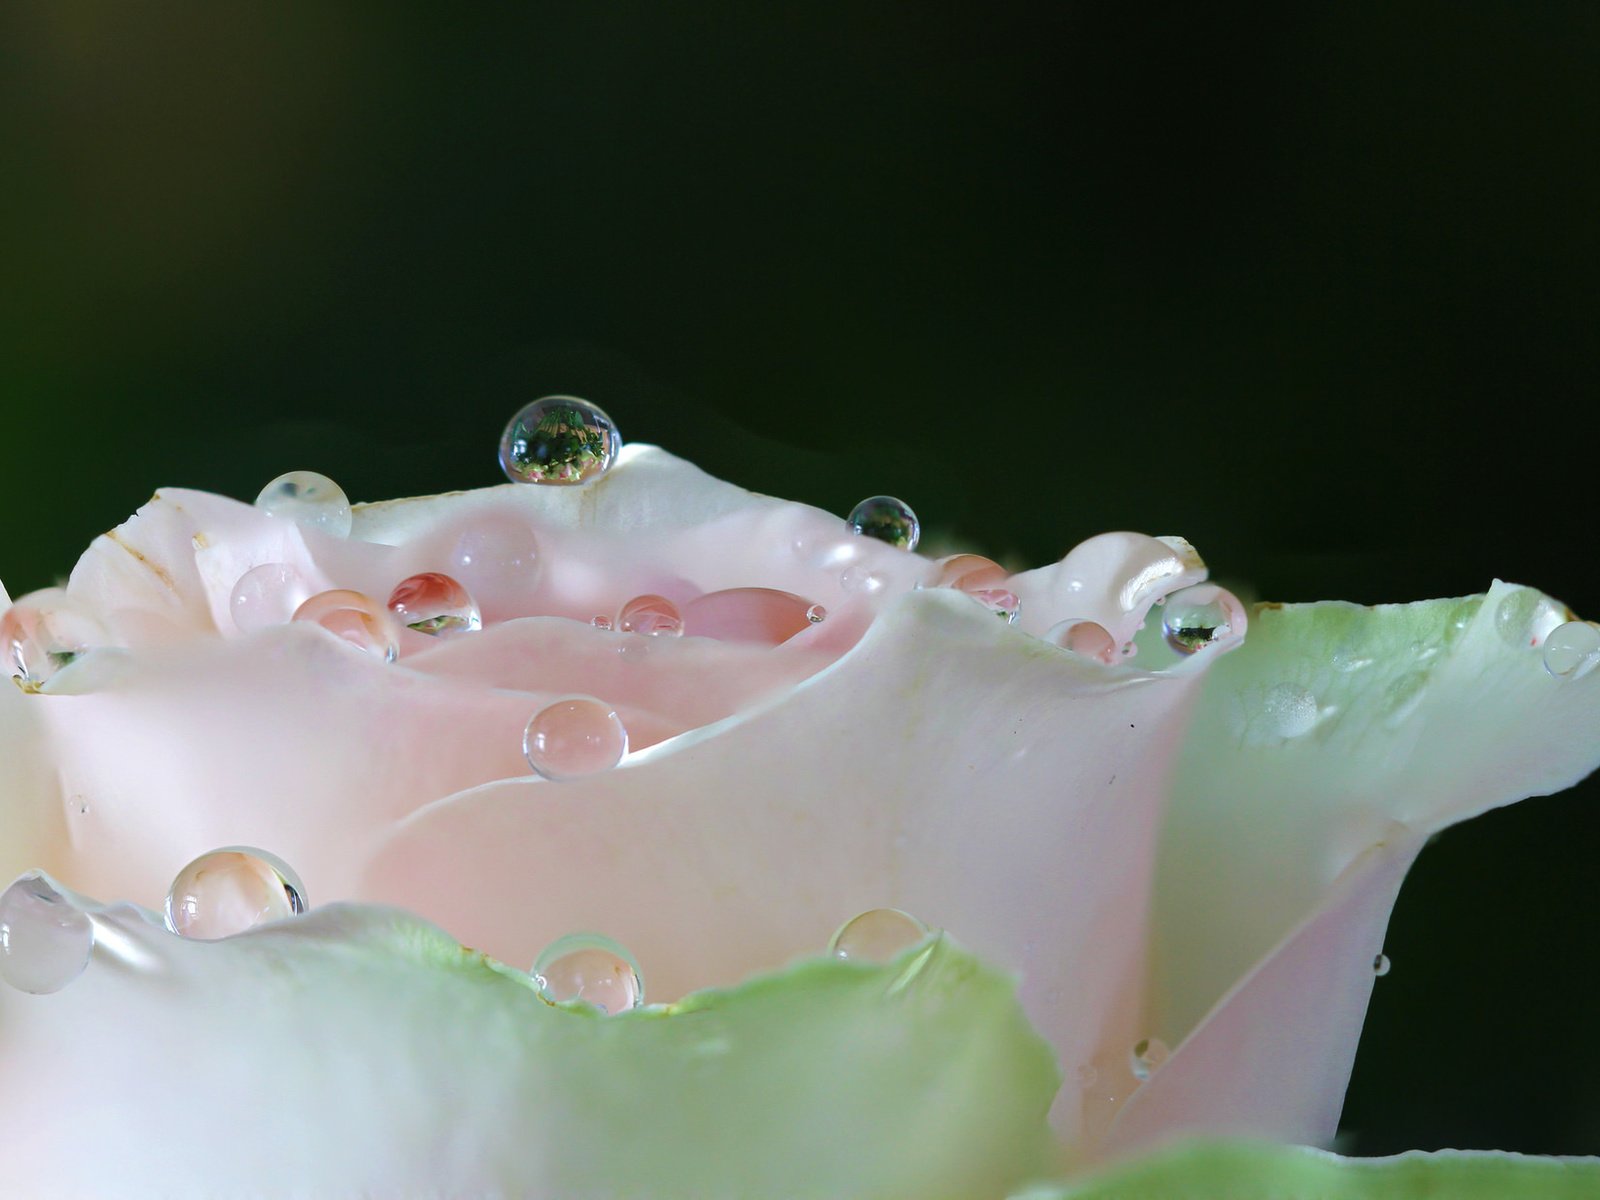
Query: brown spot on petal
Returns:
{"type": "Point", "coordinates": [156, 569]}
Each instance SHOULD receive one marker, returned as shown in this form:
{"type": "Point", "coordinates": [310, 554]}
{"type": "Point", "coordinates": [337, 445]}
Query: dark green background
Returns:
{"type": "Point", "coordinates": [1314, 286]}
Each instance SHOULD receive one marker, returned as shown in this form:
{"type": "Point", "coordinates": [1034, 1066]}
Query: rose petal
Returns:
{"type": "Point", "coordinates": [361, 1048]}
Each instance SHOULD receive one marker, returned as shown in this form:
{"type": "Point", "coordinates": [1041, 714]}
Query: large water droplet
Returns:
{"type": "Point", "coordinates": [435, 604]}
{"type": "Point", "coordinates": [497, 560]}
{"type": "Point", "coordinates": [227, 891]}
{"type": "Point", "coordinates": [267, 595]}
{"type": "Point", "coordinates": [575, 736]}
{"type": "Point", "coordinates": [652, 615]}
{"type": "Point", "coordinates": [877, 936]}
{"type": "Point", "coordinates": [1524, 616]}
{"type": "Point", "coordinates": [859, 579]}
{"type": "Point", "coordinates": [1572, 650]}
{"type": "Point", "coordinates": [1088, 638]}
{"type": "Point", "coordinates": [968, 572]}
{"type": "Point", "coordinates": [1381, 965]}
{"type": "Point", "coordinates": [1147, 1055]}
{"type": "Point", "coordinates": [44, 941]}
{"type": "Point", "coordinates": [45, 631]}
{"type": "Point", "coordinates": [1290, 709]}
{"type": "Point", "coordinates": [308, 499]}
{"type": "Point", "coordinates": [561, 440]}
{"type": "Point", "coordinates": [591, 968]}
{"type": "Point", "coordinates": [1200, 616]}
{"type": "Point", "coordinates": [888, 520]}
{"type": "Point", "coordinates": [762, 616]}
{"type": "Point", "coordinates": [355, 617]}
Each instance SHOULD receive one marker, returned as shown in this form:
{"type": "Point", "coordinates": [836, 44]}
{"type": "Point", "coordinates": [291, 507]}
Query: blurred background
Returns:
{"type": "Point", "coordinates": [1313, 286]}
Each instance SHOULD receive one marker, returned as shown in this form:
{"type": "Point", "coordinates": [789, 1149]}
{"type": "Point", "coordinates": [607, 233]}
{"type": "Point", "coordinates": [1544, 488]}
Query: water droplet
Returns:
{"type": "Point", "coordinates": [857, 578]}
{"type": "Point", "coordinates": [1147, 1055]}
{"type": "Point", "coordinates": [887, 520]}
{"type": "Point", "coordinates": [1465, 614]}
{"type": "Point", "coordinates": [1572, 650]}
{"type": "Point", "coordinates": [1524, 616]}
{"type": "Point", "coordinates": [652, 615]}
{"type": "Point", "coordinates": [560, 440]}
{"type": "Point", "coordinates": [308, 499]}
{"type": "Point", "coordinates": [1200, 616]}
{"type": "Point", "coordinates": [816, 614]}
{"type": "Point", "coordinates": [45, 631]}
{"type": "Point", "coordinates": [576, 736]}
{"type": "Point", "coordinates": [1381, 965]}
{"type": "Point", "coordinates": [1000, 601]}
{"type": "Point", "coordinates": [497, 556]}
{"type": "Point", "coordinates": [267, 595]}
{"type": "Point", "coordinates": [355, 617]}
{"type": "Point", "coordinates": [1088, 638]}
{"type": "Point", "coordinates": [757, 615]}
{"type": "Point", "coordinates": [1290, 709]}
{"type": "Point", "coordinates": [44, 941]}
{"type": "Point", "coordinates": [1403, 696]}
{"type": "Point", "coordinates": [968, 572]}
{"type": "Point", "coordinates": [227, 891]}
{"type": "Point", "coordinates": [590, 968]}
{"type": "Point", "coordinates": [877, 935]}
{"type": "Point", "coordinates": [435, 604]}
{"type": "Point", "coordinates": [601, 621]}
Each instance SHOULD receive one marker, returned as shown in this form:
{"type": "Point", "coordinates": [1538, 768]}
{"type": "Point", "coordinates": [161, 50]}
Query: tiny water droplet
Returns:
{"type": "Point", "coordinates": [1148, 1054]}
{"type": "Point", "coordinates": [435, 604]}
{"type": "Point", "coordinates": [877, 935]}
{"type": "Point", "coordinates": [1000, 601]}
{"type": "Point", "coordinates": [267, 595]}
{"type": "Point", "coordinates": [45, 631]}
{"type": "Point", "coordinates": [858, 579]}
{"type": "Point", "coordinates": [559, 440]}
{"type": "Point", "coordinates": [1572, 650]}
{"type": "Point", "coordinates": [888, 520]}
{"type": "Point", "coordinates": [308, 499]}
{"type": "Point", "coordinates": [601, 621]}
{"type": "Point", "coordinates": [816, 614]}
{"type": "Point", "coordinates": [227, 891]}
{"type": "Point", "coordinates": [1380, 965]}
{"type": "Point", "coordinates": [1200, 616]}
{"type": "Point", "coordinates": [44, 941]}
{"type": "Point", "coordinates": [1088, 638]}
{"type": "Point", "coordinates": [355, 617]}
{"type": "Point", "coordinates": [1290, 709]}
{"type": "Point", "coordinates": [575, 736]}
{"type": "Point", "coordinates": [651, 615]}
{"type": "Point", "coordinates": [1465, 614]}
{"type": "Point", "coordinates": [588, 967]}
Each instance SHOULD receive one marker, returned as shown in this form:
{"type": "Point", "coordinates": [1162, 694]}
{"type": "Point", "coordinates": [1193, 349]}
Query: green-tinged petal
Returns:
{"type": "Point", "coordinates": [366, 1050]}
{"type": "Point", "coordinates": [1237, 1171]}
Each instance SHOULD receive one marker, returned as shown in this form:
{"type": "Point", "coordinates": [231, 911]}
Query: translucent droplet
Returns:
{"type": "Point", "coordinates": [267, 595]}
{"type": "Point", "coordinates": [497, 557]}
{"type": "Point", "coordinates": [1147, 1055]}
{"type": "Point", "coordinates": [227, 891]}
{"type": "Point", "coordinates": [655, 616]}
{"type": "Point", "coordinates": [559, 439]}
{"type": "Point", "coordinates": [756, 615]}
{"type": "Point", "coordinates": [591, 968]}
{"type": "Point", "coordinates": [887, 520]}
{"type": "Point", "coordinates": [44, 941]}
{"type": "Point", "coordinates": [1200, 616]}
{"type": "Point", "coordinates": [816, 614]}
{"type": "Point", "coordinates": [877, 935]}
{"type": "Point", "coordinates": [308, 499]}
{"type": "Point", "coordinates": [601, 621]}
{"type": "Point", "coordinates": [1381, 965]}
{"type": "Point", "coordinates": [1572, 650]}
{"type": "Point", "coordinates": [857, 578]}
{"type": "Point", "coordinates": [1000, 601]}
{"type": "Point", "coordinates": [1290, 709]}
{"type": "Point", "coordinates": [1465, 614]}
{"type": "Point", "coordinates": [1524, 617]}
{"type": "Point", "coordinates": [576, 736]}
{"type": "Point", "coordinates": [45, 631]}
{"type": "Point", "coordinates": [355, 617]}
{"type": "Point", "coordinates": [1088, 638]}
{"type": "Point", "coordinates": [435, 604]}
{"type": "Point", "coordinates": [969, 572]}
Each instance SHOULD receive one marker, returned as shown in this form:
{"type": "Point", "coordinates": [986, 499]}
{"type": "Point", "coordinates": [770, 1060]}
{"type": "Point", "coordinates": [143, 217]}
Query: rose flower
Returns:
{"type": "Point", "coordinates": [618, 832]}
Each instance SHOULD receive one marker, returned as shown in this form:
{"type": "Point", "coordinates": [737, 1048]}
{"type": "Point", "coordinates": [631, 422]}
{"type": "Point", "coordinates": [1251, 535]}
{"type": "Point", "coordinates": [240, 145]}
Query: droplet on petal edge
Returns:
{"type": "Point", "coordinates": [559, 440]}
{"type": "Point", "coordinates": [652, 615]}
{"type": "Point", "coordinates": [1200, 616]}
{"type": "Point", "coordinates": [45, 942]}
{"type": "Point", "coordinates": [229, 890]}
{"type": "Point", "coordinates": [1572, 650]}
{"type": "Point", "coordinates": [267, 594]}
{"type": "Point", "coordinates": [1380, 965]}
{"type": "Point", "coordinates": [888, 520]}
{"type": "Point", "coordinates": [45, 631]}
{"type": "Point", "coordinates": [1148, 1054]}
{"type": "Point", "coordinates": [758, 615]}
{"type": "Point", "coordinates": [355, 617]}
{"type": "Point", "coordinates": [877, 935]}
{"type": "Point", "coordinates": [968, 572]}
{"type": "Point", "coordinates": [588, 967]}
{"type": "Point", "coordinates": [575, 736]}
{"type": "Point", "coordinates": [435, 604]}
{"type": "Point", "coordinates": [308, 499]}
